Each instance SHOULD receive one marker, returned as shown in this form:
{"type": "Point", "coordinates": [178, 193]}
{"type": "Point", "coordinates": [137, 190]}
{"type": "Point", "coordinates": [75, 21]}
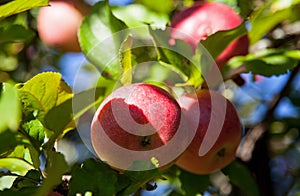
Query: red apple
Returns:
{"type": "Point", "coordinates": [202, 19]}
{"type": "Point", "coordinates": [133, 123]}
{"type": "Point", "coordinates": [218, 134]}
{"type": "Point", "coordinates": [58, 24]}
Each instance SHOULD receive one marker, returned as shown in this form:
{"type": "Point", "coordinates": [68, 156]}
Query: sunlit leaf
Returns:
{"type": "Point", "coordinates": [15, 165]}
{"type": "Point", "coordinates": [165, 6]}
{"type": "Point", "coordinates": [101, 35]}
{"type": "Point", "coordinates": [126, 61]}
{"type": "Point", "coordinates": [8, 62]}
{"type": "Point", "coordinates": [35, 130]}
{"type": "Point", "coordinates": [10, 110]}
{"type": "Point", "coordinates": [17, 6]}
{"type": "Point", "coordinates": [43, 92]}
{"type": "Point", "coordinates": [137, 16]}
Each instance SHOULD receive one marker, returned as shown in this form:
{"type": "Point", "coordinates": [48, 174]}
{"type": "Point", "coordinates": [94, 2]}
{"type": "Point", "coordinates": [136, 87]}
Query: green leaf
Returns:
{"type": "Point", "coordinates": [268, 62]}
{"type": "Point", "coordinates": [216, 43]}
{"type": "Point", "coordinates": [240, 176]}
{"type": "Point", "coordinates": [265, 18]}
{"type": "Point", "coordinates": [126, 61]}
{"type": "Point", "coordinates": [193, 184]}
{"type": "Point", "coordinates": [60, 117]}
{"type": "Point", "coordinates": [137, 16]}
{"type": "Point", "coordinates": [31, 179]}
{"type": "Point", "coordinates": [15, 33]}
{"type": "Point", "coordinates": [56, 166]}
{"type": "Point", "coordinates": [8, 62]}
{"type": "Point", "coordinates": [27, 153]}
{"type": "Point", "coordinates": [17, 6]}
{"type": "Point", "coordinates": [246, 7]}
{"type": "Point", "coordinates": [139, 179]}
{"type": "Point", "coordinates": [8, 147]}
{"type": "Point", "coordinates": [15, 165]}
{"type": "Point", "coordinates": [178, 58]}
{"type": "Point", "coordinates": [10, 110]}
{"type": "Point", "coordinates": [22, 192]}
{"type": "Point", "coordinates": [104, 179]}
{"type": "Point", "coordinates": [165, 6]}
{"type": "Point", "coordinates": [42, 93]}
{"type": "Point", "coordinates": [35, 130]}
{"type": "Point", "coordinates": [269, 66]}
{"type": "Point", "coordinates": [101, 35]}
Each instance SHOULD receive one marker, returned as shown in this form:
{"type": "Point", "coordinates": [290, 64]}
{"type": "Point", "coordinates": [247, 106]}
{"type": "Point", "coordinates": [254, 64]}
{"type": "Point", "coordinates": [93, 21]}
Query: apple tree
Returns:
{"type": "Point", "coordinates": [174, 97]}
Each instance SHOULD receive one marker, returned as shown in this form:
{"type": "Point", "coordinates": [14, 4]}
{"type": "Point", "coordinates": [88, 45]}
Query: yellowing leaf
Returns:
{"type": "Point", "coordinates": [126, 61]}
{"type": "Point", "coordinates": [17, 6]}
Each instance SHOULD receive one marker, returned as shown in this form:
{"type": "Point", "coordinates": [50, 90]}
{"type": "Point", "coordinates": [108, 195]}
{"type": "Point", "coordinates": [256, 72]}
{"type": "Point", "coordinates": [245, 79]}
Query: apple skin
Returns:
{"type": "Point", "coordinates": [136, 117]}
{"type": "Point", "coordinates": [57, 24]}
{"type": "Point", "coordinates": [202, 19]}
{"type": "Point", "coordinates": [199, 110]}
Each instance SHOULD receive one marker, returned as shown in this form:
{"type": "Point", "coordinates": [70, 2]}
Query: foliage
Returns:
{"type": "Point", "coordinates": [39, 110]}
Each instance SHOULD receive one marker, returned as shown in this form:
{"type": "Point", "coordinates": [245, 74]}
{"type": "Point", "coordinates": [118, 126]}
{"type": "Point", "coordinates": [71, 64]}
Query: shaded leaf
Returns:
{"type": "Point", "coordinates": [246, 7]}
{"type": "Point", "coordinates": [268, 62]}
{"type": "Point", "coordinates": [193, 184]}
{"type": "Point", "coordinates": [139, 179]}
{"type": "Point", "coordinates": [240, 176]}
{"type": "Point", "coordinates": [267, 17]}
{"type": "Point", "coordinates": [31, 179]}
{"type": "Point", "coordinates": [101, 35]}
{"type": "Point", "coordinates": [105, 180]}
{"type": "Point", "coordinates": [15, 33]}
{"type": "Point", "coordinates": [216, 43]}
{"type": "Point", "coordinates": [10, 110]}
{"type": "Point", "coordinates": [22, 192]}
{"type": "Point", "coordinates": [55, 168]}
{"type": "Point", "coordinates": [14, 140]}
{"type": "Point", "coordinates": [177, 58]}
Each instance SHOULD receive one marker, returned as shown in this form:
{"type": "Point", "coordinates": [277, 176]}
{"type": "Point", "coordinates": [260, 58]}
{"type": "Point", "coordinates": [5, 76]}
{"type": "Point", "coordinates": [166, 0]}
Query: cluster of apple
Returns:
{"type": "Point", "coordinates": [144, 117]}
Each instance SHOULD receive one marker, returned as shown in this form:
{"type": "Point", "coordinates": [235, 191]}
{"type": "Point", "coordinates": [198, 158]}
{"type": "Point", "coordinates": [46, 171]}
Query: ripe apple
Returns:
{"type": "Point", "coordinates": [202, 19]}
{"type": "Point", "coordinates": [58, 23]}
{"type": "Point", "coordinates": [133, 122]}
{"type": "Point", "coordinates": [218, 134]}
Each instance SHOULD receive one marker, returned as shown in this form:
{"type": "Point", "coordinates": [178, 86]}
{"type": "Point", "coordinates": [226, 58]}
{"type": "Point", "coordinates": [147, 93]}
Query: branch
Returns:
{"type": "Point", "coordinates": [255, 133]}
